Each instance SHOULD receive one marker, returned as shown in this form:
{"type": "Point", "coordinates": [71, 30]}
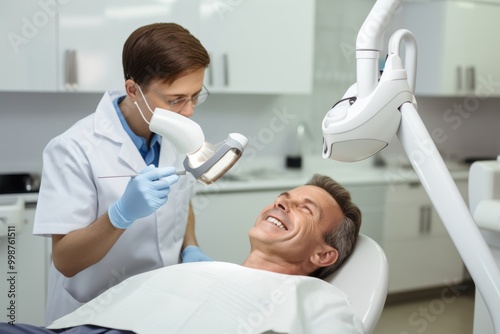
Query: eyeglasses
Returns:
{"type": "Point", "coordinates": [178, 105]}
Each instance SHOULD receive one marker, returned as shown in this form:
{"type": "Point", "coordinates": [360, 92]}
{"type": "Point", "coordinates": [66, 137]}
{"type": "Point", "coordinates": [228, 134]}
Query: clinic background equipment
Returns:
{"type": "Point", "coordinates": [379, 106]}
{"type": "Point", "coordinates": [205, 161]}
{"type": "Point", "coordinates": [484, 203]}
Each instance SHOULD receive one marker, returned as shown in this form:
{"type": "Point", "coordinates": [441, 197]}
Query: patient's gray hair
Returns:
{"type": "Point", "coordinates": [345, 234]}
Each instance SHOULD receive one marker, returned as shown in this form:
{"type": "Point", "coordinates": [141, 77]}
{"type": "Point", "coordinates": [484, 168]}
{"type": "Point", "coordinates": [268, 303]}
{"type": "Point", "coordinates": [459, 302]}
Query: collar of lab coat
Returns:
{"type": "Point", "coordinates": [108, 125]}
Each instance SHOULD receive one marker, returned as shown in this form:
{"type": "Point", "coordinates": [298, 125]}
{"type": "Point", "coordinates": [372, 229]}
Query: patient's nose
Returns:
{"type": "Point", "coordinates": [281, 204]}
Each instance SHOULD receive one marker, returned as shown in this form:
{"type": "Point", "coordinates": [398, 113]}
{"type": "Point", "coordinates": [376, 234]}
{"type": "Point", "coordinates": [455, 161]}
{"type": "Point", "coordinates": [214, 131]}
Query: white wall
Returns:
{"type": "Point", "coordinates": [29, 120]}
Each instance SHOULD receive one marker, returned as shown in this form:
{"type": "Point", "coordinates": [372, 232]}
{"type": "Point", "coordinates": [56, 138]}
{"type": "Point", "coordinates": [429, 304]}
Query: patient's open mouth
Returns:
{"type": "Point", "coordinates": [277, 222]}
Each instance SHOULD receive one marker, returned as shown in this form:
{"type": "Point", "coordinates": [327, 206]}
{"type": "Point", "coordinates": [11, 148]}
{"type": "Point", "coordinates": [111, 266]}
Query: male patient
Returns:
{"type": "Point", "coordinates": [306, 234]}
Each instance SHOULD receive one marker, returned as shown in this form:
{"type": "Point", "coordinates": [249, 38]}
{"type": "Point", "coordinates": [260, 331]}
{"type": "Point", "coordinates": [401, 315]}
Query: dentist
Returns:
{"type": "Point", "coordinates": [106, 230]}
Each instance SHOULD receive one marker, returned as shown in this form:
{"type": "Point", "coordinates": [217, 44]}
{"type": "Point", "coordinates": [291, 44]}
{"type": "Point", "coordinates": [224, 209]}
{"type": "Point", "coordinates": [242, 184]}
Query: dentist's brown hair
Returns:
{"type": "Point", "coordinates": [162, 51]}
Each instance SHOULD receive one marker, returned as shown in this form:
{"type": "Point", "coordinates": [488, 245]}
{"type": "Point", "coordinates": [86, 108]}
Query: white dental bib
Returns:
{"type": "Point", "coordinates": [218, 297]}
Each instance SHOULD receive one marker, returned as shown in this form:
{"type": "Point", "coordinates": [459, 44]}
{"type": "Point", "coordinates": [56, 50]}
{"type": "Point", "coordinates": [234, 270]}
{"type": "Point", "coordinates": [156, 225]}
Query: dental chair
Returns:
{"type": "Point", "coordinates": [364, 278]}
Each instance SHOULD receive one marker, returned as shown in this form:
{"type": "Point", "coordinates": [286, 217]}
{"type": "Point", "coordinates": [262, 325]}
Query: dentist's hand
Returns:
{"type": "Point", "coordinates": [144, 194]}
{"type": "Point", "coordinates": [194, 254]}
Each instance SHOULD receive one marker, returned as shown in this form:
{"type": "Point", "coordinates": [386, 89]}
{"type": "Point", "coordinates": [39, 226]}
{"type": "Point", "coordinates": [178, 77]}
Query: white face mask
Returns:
{"type": "Point", "coordinates": [145, 101]}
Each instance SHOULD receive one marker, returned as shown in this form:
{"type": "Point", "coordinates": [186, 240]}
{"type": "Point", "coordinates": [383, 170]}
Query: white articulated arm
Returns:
{"type": "Point", "coordinates": [374, 109]}
{"type": "Point", "coordinates": [369, 44]}
{"type": "Point", "coordinates": [456, 217]}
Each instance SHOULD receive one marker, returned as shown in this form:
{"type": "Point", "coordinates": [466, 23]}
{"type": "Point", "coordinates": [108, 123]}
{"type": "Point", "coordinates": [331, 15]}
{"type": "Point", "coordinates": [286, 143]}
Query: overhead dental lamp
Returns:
{"type": "Point", "coordinates": [205, 161]}
{"type": "Point", "coordinates": [379, 106]}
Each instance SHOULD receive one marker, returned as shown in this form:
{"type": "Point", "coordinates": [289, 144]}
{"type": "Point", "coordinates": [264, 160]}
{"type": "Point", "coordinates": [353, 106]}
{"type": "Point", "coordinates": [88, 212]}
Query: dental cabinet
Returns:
{"type": "Point", "coordinates": [72, 45]}
{"type": "Point", "coordinates": [398, 215]}
{"type": "Point", "coordinates": [76, 45]}
{"type": "Point", "coordinates": [25, 261]}
{"type": "Point", "coordinates": [454, 55]}
{"type": "Point", "coordinates": [259, 46]}
{"type": "Point", "coordinates": [91, 35]}
{"type": "Point", "coordinates": [29, 48]}
{"type": "Point", "coordinates": [419, 251]}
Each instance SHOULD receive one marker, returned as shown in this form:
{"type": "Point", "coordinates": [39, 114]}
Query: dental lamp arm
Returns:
{"type": "Point", "coordinates": [379, 108]}
{"type": "Point", "coordinates": [411, 53]}
{"type": "Point", "coordinates": [443, 192]}
{"type": "Point", "coordinates": [369, 44]}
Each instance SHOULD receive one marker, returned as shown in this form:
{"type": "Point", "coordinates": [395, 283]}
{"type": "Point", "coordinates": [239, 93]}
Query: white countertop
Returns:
{"type": "Point", "coordinates": [269, 175]}
{"type": "Point", "coordinates": [29, 198]}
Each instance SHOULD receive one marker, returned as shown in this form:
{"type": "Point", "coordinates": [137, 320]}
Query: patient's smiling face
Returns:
{"type": "Point", "coordinates": [293, 226]}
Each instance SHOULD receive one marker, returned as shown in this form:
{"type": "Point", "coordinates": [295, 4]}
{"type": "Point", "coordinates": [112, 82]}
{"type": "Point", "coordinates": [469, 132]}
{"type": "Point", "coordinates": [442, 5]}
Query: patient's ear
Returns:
{"type": "Point", "coordinates": [325, 257]}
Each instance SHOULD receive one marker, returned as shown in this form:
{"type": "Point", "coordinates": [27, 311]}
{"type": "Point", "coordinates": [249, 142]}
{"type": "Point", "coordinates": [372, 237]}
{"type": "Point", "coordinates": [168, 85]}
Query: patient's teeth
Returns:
{"type": "Point", "coordinates": [276, 222]}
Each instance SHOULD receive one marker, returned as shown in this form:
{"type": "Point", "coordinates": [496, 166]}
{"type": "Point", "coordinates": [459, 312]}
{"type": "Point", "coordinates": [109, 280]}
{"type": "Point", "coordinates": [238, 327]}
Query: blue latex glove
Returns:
{"type": "Point", "coordinates": [144, 194]}
{"type": "Point", "coordinates": [193, 254]}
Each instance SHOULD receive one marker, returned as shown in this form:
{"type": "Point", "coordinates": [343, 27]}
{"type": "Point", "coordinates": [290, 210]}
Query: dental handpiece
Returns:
{"type": "Point", "coordinates": [180, 172]}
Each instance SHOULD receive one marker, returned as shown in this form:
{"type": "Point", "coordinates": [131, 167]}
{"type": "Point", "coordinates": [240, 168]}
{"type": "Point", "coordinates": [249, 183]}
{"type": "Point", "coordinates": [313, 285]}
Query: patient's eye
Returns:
{"type": "Point", "coordinates": [308, 209]}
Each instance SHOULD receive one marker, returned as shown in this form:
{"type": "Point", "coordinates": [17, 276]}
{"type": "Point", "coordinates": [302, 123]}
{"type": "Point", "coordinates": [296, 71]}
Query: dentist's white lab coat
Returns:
{"type": "Point", "coordinates": [71, 197]}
